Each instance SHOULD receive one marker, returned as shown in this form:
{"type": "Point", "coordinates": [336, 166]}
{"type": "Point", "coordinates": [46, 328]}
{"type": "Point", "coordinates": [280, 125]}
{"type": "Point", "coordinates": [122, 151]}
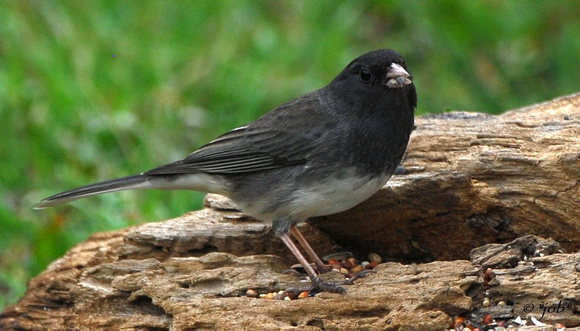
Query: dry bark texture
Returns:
{"type": "Point", "coordinates": [472, 181]}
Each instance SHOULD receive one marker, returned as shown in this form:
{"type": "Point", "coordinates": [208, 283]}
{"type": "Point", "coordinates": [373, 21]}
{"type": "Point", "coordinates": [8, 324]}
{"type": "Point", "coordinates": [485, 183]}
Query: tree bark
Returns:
{"type": "Point", "coordinates": [471, 181]}
{"type": "Point", "coordinates": [474, 179]}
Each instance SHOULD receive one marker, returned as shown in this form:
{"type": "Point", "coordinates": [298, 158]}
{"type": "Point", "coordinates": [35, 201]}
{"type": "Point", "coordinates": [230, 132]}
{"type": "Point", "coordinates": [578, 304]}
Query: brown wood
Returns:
{"type": "Point", "coordinates": [472, 180]}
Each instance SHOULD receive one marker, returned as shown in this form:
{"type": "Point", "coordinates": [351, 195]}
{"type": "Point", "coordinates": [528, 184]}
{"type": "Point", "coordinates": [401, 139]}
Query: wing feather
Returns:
{"type": "Point", "coordinates": [267, 143]}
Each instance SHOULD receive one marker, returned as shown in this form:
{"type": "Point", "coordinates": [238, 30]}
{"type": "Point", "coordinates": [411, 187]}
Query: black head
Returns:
{"type": "Point", "coordinates": [374, 76]}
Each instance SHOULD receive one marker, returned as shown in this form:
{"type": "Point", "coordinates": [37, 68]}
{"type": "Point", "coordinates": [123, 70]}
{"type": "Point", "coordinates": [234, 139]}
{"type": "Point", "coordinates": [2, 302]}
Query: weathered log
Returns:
{"type": "Point", "coordinates": [474, 179]}
{"type": "Point", "coordinates": [471, 180]}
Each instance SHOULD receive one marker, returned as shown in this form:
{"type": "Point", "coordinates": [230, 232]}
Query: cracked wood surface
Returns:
{"type": "Point", "coordinates": [474, 179]}
{"type": "Point", "coordinates": [471, 180]}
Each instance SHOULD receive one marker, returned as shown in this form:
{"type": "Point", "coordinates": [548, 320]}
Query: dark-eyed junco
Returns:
{"type": "Point", "coordinates": [319, 154]}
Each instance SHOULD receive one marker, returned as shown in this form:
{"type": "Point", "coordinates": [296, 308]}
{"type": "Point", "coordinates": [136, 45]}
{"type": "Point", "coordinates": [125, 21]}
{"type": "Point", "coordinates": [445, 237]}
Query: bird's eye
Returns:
{"type": "Point", "coordinates": [365, 75]}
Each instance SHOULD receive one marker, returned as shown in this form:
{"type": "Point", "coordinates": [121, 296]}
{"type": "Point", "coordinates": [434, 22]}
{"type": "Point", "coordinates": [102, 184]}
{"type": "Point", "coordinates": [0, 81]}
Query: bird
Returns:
{"type": "Point", "coordinates": [319, 154]}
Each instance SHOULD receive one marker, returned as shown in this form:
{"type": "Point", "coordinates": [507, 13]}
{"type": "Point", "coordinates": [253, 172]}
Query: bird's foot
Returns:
{"type": "Point", "coordinates": [358, 275]}
{"type": "Point", "coordinates": [319, 285]}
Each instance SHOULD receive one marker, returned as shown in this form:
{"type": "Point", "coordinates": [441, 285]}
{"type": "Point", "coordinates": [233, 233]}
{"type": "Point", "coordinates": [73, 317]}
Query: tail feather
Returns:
{"type": "Point", "coordinates": [120, 184]}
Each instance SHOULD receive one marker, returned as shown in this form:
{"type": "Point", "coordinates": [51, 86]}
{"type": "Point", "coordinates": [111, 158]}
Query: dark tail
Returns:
{"type": "Point", "coordinates": [120, 184]}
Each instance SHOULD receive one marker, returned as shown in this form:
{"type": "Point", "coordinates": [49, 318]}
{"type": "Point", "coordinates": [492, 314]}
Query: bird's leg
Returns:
{"type": "Point", "coordinates": [290, 244]}
{"type": "Point", "coordinates": [316, 285]}
{"type": "Point", "coordinates": [320, 266]}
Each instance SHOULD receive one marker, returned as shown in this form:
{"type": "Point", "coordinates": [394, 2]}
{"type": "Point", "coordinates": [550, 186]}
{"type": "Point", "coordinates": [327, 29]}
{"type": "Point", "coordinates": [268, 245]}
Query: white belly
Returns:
{"type": "Point", "coordinates": [334, 196]}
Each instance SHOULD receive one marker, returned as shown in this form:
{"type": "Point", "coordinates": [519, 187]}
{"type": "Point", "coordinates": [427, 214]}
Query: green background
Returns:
{"type": "Point", "coordinates": [92, 90]}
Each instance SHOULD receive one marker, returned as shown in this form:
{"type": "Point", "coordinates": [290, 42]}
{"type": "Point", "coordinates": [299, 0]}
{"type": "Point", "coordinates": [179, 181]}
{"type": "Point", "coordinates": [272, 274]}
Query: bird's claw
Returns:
{"type": "Point", "coordinates": [319, 285]}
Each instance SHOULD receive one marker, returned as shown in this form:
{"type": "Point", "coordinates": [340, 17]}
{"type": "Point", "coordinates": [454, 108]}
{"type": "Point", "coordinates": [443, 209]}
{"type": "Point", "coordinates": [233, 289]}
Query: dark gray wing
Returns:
{"type": "Point", "coordinates": [281, 138]}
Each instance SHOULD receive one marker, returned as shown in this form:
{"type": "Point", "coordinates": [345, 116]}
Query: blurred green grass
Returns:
{"type": "Point", "coordinates": [92, 90]}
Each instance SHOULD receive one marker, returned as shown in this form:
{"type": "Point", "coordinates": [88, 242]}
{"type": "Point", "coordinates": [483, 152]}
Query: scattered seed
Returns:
{"type": "Point", "coordinates": [347, 264]}
{"type": "Point", "coordinates": [485, 303]}
{"type": "Point", "coordinates": [518, 320]}
{"type": "Point", "coordinates": [374, 257]}
{"type": "Point", "coordinates": [251, 293]}
{"type": "Point", "coordinates": [303, 295]}
{"type": "Point", "coordinates": [458, 322]}
{"type": "Point", "coordinates": [487, 274]}
{"type": "Point", "coordinates": [334, 264]}
{"type": "Point", "coordinates": [291, 296]}
{"type": "Point", "coordinates": [488, 319]}
{"type": "Point", "coordinates": [501, 303]}
{"type": "Point", "coordinates": [356, 269]}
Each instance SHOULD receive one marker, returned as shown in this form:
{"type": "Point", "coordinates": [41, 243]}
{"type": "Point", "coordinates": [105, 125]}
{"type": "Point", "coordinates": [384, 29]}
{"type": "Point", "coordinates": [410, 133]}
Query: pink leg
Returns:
{"type": "Point", "coordinates": [290, 244]}
{"type": "Point", "coordinates": [309, 251]}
